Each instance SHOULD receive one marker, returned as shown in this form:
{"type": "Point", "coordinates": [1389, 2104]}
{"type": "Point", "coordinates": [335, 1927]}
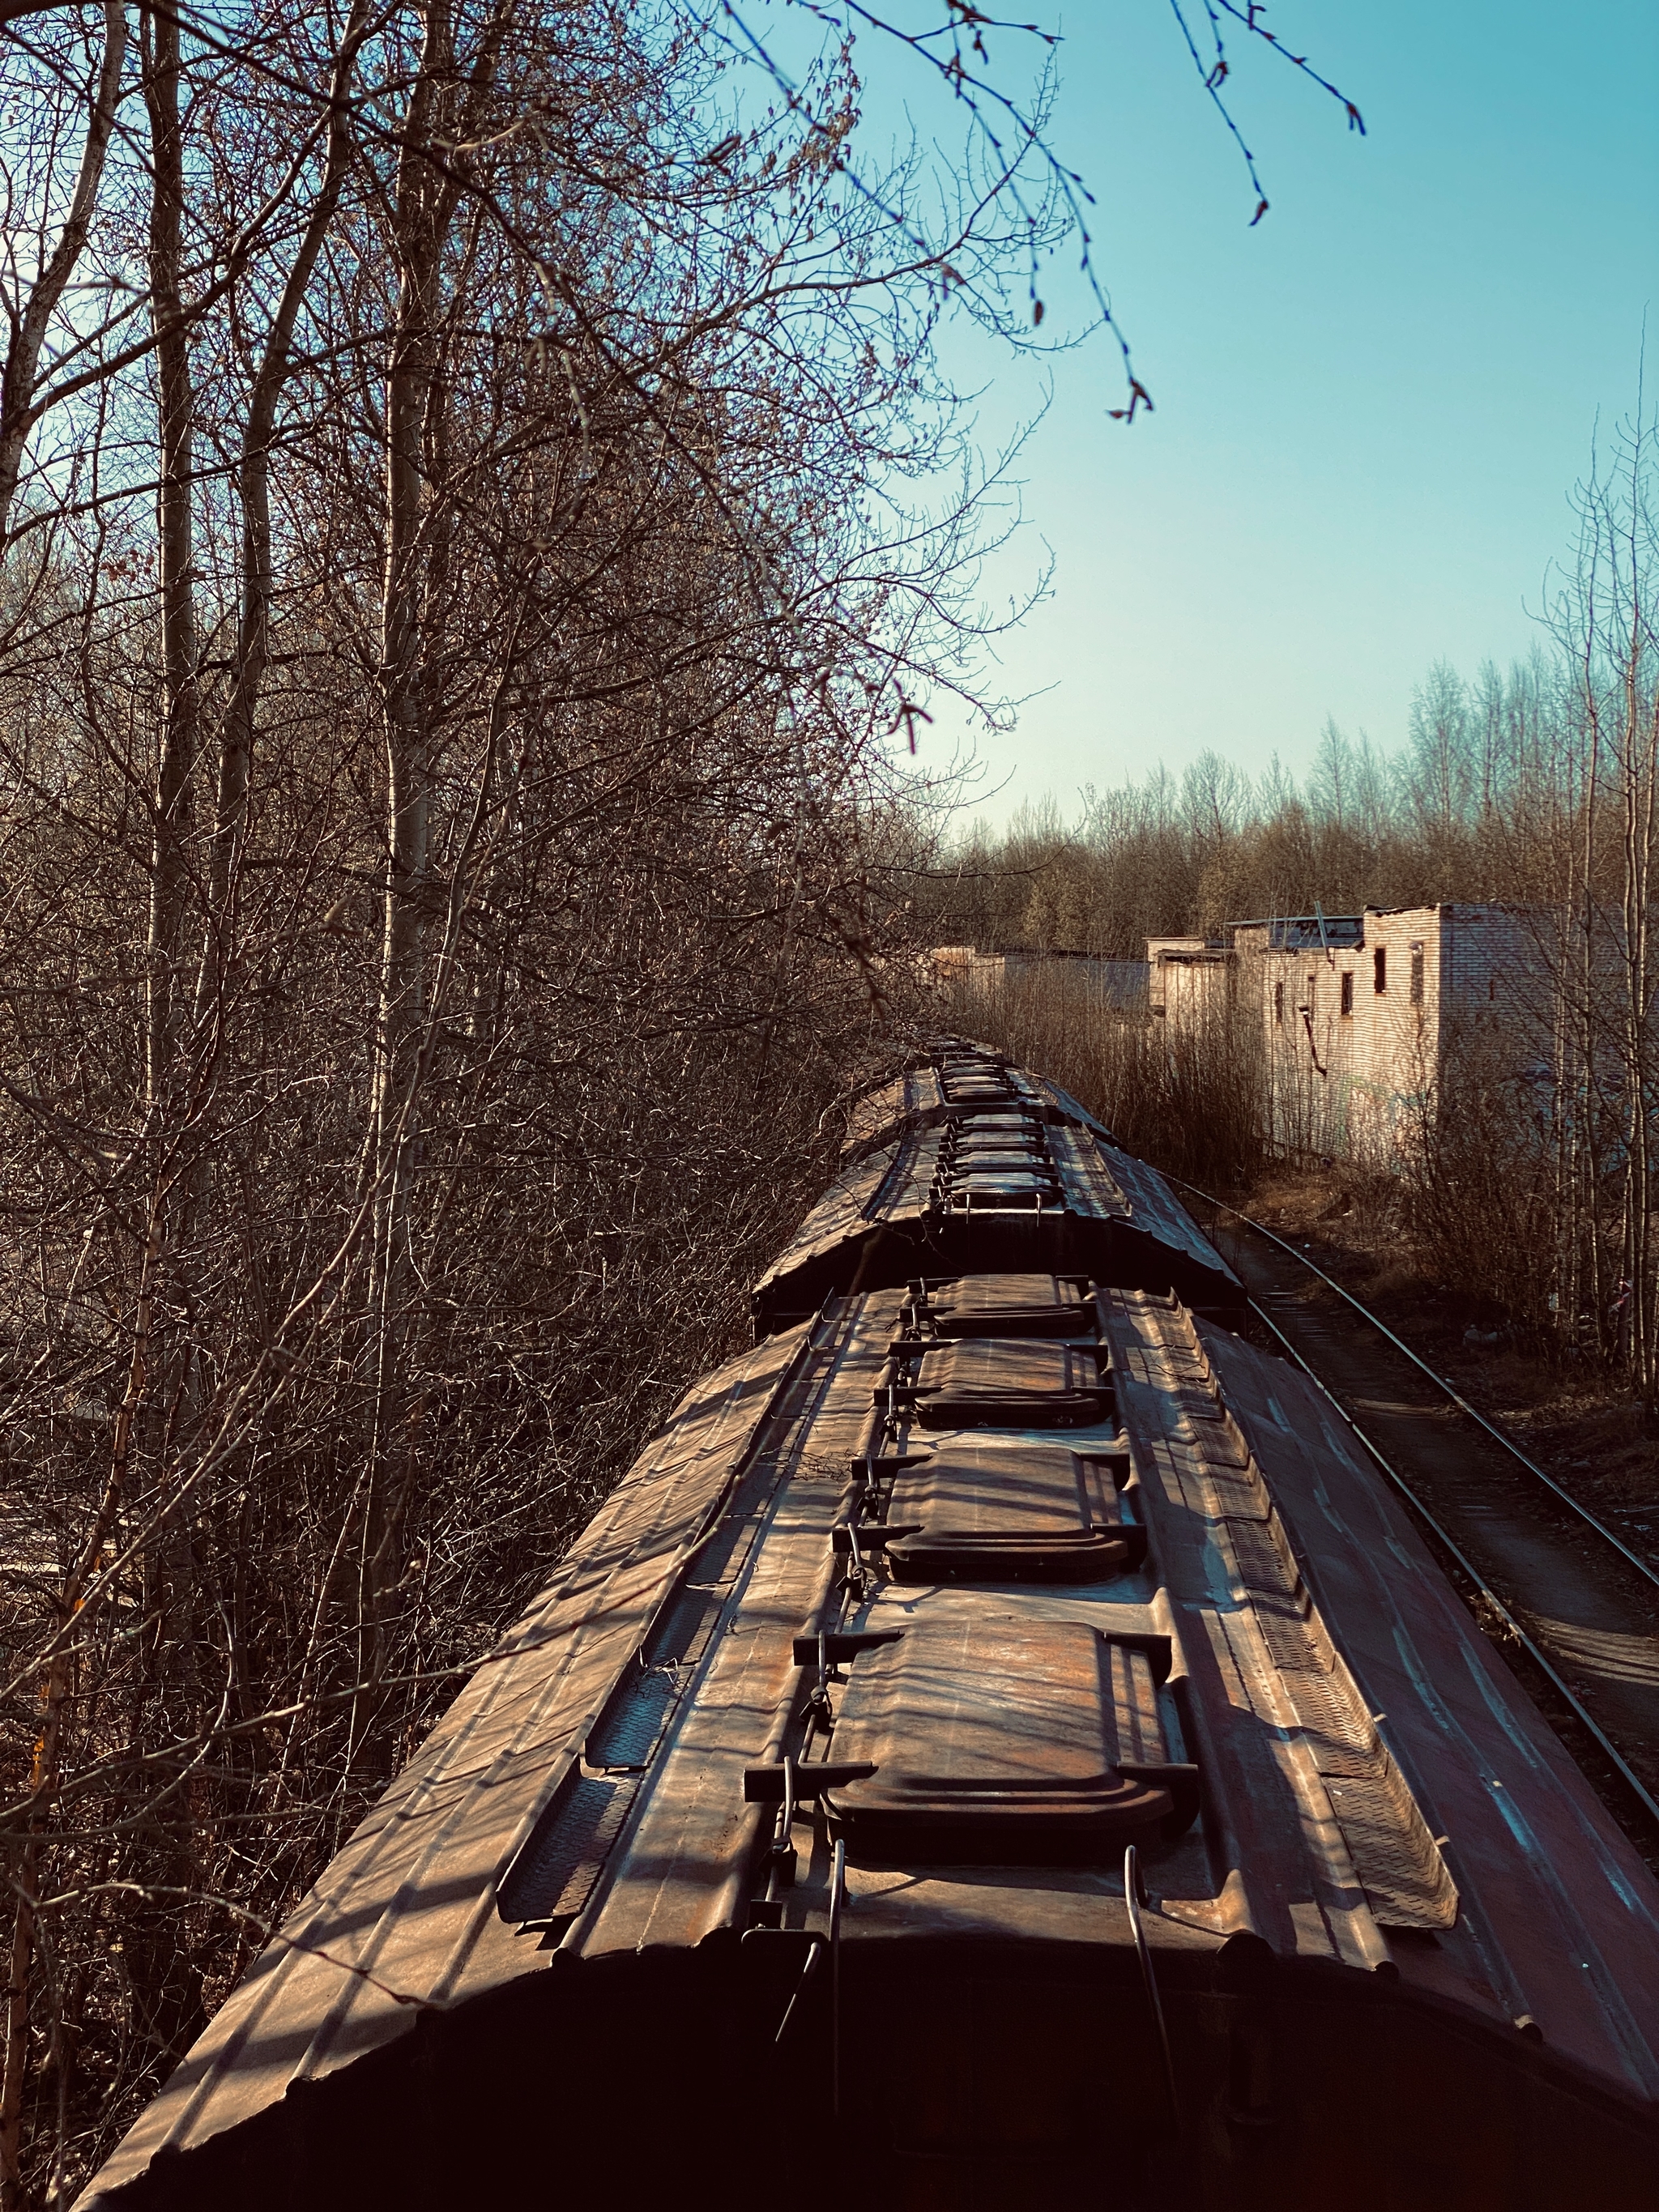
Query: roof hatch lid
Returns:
{"type": "Point", "coordinates": [995, 1184]}
{"type": "Point", "coordinates": [1006, 1306]}
{"type": "Point", "coordinates": [998, 1149]}
{"type": "Point", "coordinates": [992, 1509]}
{"type": "Point", "coordinates": [983, 1132]}
{"type": "Point", "coordinates": [982, 1078]}
{"type": "Point", "coordinates": [1011, 1382]}
{"type": "Point", "coordinates": [1007, 1741]}
{"type": "Point", "coordinates": [959, 1052]}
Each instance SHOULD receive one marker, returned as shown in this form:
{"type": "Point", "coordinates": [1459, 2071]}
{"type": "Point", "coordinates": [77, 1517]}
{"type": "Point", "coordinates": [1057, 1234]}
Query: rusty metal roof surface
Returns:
{"type": "Point", "coordinates": [1372, 1772]}
{"type": "Point", "coordinates": [914, 1099]}
{"type": "Point", "coordinates": [1379, 1796]}
{"type": "Point", "coordinates": [921, 1097]}
{"type": "Point", "coordinates": [1070, 1109]}
{"type": "Point", "coordinates": [1560, 1917]}
{"type": "Point", "coordinates": [952, 1081]}
{"type": "Point", "coordinates": [921, 1194]}
{"type": "Point", "coordinates": [1028, 1304]}
{"type": "Point", "coordinates": [1457, 1809]}
{"type": "Point", "coordinates": [1007, 1382]}
{"type": "Point", "coordinates": [1379, 1801]}
{"type": "Point", "coordinates": [1157, 1211]}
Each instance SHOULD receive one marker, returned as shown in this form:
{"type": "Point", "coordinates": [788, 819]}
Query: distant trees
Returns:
{"type": "Point", "coordinates": [1477, 805]}
{"type": "Point", "coordinates": [1595, 817]}
{"type": "Point", "coordinates": [1534, 1176]}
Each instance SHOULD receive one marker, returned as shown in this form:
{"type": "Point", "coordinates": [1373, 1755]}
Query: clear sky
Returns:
{"type": "Point", "coordinates": [1370, 408]}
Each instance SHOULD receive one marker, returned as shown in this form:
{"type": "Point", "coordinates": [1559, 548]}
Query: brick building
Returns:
{"type": "Point", "coordinates": [1356, 1012]}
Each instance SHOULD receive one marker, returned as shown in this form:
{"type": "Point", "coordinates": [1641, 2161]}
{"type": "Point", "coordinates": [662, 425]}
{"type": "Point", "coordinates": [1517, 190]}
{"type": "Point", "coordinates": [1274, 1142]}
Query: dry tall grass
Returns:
{"type": "Point", "coordinates": [1189, 1100]}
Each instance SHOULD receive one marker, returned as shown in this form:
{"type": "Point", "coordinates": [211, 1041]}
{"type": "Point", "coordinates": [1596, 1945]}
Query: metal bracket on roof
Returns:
{"type": "Point", "coordinates": [868, 1466]}
{"type": "Point", "coordinates": [848, 1537]}
{"type": "Point", "coordinates": [841, 1644]}
{"type": "Point", "coordinates": [1179, 1777]}
{"type": "Point", "coordinates": [765, 1786]}
{"type": "Point", "coordinates": [1158, 1648]}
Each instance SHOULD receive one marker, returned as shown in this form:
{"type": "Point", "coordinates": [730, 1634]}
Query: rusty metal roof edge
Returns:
{"type": "Point", "coordinates": [161, 2122]}
{"type": "Point", "coordinates": [1149, 1193]}
{"type": "Point", "coordinates": [1166, 1329]}
{"type": "Point", "coordinates": [1140, 1198]}
{"type": "Point", "coordinates": [1640, 2045]}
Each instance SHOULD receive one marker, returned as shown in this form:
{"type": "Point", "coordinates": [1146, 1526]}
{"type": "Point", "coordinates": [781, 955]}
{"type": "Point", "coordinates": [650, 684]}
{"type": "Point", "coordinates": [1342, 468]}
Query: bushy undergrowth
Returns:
{"type": "Point", "coordinates": [1190, 1102]}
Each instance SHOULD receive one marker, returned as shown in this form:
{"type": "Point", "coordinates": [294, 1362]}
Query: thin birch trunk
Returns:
{"type": "Point", "coordinates": [175, 537]}
{"type": "Point", "coordinates": [394, 1108]}
{"type": "Point", "coordinates": [253, 486]}
{"type": "Point", "coordinates": [20, 386]}
{"type": "Point", "coordinates": [426, 195]}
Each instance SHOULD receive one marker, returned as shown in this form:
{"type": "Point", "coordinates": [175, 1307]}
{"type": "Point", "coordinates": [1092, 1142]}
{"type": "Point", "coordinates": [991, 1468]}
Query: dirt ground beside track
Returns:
{"type": "Point", "coordinates": [1591, 1437]}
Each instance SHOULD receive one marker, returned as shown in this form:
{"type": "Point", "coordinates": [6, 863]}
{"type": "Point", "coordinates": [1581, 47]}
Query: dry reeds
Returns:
{"type": "Point", "coordinates": [1189, 1100]}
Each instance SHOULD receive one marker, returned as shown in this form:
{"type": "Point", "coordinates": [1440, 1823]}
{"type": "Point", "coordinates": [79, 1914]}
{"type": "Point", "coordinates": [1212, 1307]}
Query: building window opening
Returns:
{"type": "Point", "coordinates": [1417, 974]}
{"type": "Point", "coordinates": [1491, 986]}
{"type": "Point", "coordinates": [1347, 990]}
{"type": "Point", "coordinates": [1278, 1004]}
{"type": "Point", "coordinates": [1380, 969]}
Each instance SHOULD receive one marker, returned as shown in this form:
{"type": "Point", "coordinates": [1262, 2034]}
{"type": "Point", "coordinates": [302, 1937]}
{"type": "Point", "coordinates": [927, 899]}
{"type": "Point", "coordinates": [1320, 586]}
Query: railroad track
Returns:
{"type": "Point", "coordinates": [1573, 1605]}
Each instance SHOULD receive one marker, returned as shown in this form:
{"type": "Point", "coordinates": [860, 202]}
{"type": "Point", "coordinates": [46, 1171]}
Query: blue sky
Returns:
{"type": "Point", "coordinates": [1370, 408]}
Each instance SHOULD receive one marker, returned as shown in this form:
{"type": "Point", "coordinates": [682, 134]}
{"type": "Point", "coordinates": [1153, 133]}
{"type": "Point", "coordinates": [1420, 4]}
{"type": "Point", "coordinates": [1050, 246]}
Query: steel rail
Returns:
{"type": "Point", "coordinates": [1440, 1383]}
{"type": "Point", "coordinates": [1603, 1741]}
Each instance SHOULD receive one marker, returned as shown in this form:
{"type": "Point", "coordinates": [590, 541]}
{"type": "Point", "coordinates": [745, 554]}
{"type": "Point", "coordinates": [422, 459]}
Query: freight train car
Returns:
{"type": "Point", "coordinates": [965, 1163]}
{"type": "Point", "coordinates": [1000, 1746]}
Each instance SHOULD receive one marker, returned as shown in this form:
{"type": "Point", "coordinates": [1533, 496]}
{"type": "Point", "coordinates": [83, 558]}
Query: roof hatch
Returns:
{"type": "Point", "coordinates": [987, 1381]}
{"type": "Point", "coordinates": [1000, 1132]}
{"type": "Point", "coordinates": [1008, 1741]}
{"type": "Point", "coordinates": [990, 1509]}
{"type": "Point", "coordinates": [1006, 1306]}
{"type": "Point", "coordinates": [982, 1159]}
{"type": "Point", "coordinates": [987, 1087]}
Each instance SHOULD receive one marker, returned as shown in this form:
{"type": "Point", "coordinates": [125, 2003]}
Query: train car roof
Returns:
{"type": "Point", "coordinates": [925, 1089]}
{"type": "Point", "coordinates": [911, 1207]}
{"type": "Point", "coordinates": [1381, 1805]}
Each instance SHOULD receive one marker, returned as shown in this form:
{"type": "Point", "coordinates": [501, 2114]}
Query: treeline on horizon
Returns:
{"type": "Point", "coordinates": [1443, 817]}
{"type": "Point", "coordinates": [1519, 785]}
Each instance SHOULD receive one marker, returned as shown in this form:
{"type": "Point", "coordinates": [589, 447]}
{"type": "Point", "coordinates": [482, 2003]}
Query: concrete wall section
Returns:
{"type": "Point", "coordinates": [1121, 984]}
{"type": "Point", "coordinates": [1356, 1013]}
